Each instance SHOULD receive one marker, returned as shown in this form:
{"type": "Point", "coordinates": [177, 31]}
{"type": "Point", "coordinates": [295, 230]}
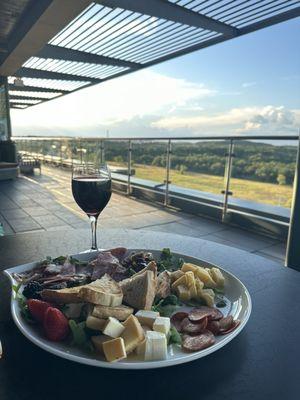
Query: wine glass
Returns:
{"type": "Point", "coordinates": [91, 187]}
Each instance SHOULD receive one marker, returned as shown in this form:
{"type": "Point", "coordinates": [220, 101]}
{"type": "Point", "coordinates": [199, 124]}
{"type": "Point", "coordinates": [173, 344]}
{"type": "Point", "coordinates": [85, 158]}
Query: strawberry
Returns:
{"type": "Point", "coordinates": [56, 325]}
{"type": "Point", "coordinates": [38, 309]}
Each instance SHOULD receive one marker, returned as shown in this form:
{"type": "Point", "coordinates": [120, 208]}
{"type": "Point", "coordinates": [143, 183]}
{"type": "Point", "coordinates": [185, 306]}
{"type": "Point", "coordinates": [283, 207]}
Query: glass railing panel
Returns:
{"type": "Point", "coordinates": [149, 160]}
{"type": "Point", "coordinates": [199, 165]}
{"type": "Point", "coordinates": [263, 172]}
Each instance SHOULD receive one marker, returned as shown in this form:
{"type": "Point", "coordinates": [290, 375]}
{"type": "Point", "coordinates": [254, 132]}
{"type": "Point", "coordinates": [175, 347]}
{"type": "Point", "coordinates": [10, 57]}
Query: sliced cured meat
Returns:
{"type": "Point", "coordinates": [234, 325]}
{"type": "Point", "coordinates": [212, 313]}
{"type": "Point", "coordinates": [199, 342]}
{"type": "Point", "coordinates": [226, 323]}
{"type": "Point", "coordinates": [193, 328]}
{"type": "Point", "coordinates": [214, 327]}
{"type": "Point", "coordinates": [197, 314]}
{"type": "Point", "coordinates": [177, 319]}
{"type": "Point", "coordinates": [118, 252]}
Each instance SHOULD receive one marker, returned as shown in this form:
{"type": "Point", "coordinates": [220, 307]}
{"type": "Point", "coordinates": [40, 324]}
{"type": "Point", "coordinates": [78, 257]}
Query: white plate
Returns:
{"type": "Point", "coordinates": [238, 305]}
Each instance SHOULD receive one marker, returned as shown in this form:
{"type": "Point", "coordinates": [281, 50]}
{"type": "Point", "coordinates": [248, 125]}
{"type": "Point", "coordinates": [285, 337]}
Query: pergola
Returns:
{"type": "Point", "coordinates": [50, 48]}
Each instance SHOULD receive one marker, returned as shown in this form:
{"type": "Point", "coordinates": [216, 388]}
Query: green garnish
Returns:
{"type": "Point", "coordinates": [174, 336]}
{"type": "Point", "coordinates": [79, 336]}
{"type": "Point", "coordinates": [166, 307]}
{"type": "Point", "coordinates": [60, 260]}
{"type": "Point", "coordinates": [168, 262]}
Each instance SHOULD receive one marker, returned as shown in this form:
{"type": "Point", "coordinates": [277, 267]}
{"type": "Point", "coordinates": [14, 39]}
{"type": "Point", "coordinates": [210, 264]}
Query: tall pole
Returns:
{"type": "Point", "coordinates": [293, 244]}
{"type": "Point", "coordinates": [227, 191]}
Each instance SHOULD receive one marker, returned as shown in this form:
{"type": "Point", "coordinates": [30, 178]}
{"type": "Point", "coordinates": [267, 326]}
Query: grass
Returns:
{"type": "Point", "coordinates": [261, 192]}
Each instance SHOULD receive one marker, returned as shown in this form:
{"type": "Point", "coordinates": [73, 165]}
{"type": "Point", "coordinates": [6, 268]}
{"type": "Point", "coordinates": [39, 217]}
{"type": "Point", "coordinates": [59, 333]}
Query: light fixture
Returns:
{"type": "Point", "coordinates": [18, 82]}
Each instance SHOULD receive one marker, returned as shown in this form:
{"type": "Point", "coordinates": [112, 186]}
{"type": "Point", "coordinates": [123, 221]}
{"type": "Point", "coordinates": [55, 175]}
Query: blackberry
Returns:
{"type": "Point", "coordinates": [32, 290]}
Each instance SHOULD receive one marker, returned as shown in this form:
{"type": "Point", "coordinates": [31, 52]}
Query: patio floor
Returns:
{"type": "Point", "coordinates": [45, 202]}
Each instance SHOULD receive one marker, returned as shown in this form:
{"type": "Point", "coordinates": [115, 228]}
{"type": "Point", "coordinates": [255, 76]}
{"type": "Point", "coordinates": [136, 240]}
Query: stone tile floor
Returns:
{"type": "Point", "coordinates": [45, 202]}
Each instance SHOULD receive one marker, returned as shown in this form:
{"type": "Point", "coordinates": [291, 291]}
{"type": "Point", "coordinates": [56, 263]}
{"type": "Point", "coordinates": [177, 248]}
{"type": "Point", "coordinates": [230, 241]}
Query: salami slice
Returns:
{"type": "Point", "coordinates": [199, 342]}
{"type": "Point", "coordinates": [226, 323]}
{"type": "Point", "coordinates": [197, 314]}
{"type": "Point", "coordinates": [177, 319]}
{"type": "Point", "coordinates": [234, 325]}
{"type": "Point", "coordinates": [193, 328]}
{"type": "Point", "coordinates": [212, 313]}
{"type": "Point", "coordinates": [214, 327]}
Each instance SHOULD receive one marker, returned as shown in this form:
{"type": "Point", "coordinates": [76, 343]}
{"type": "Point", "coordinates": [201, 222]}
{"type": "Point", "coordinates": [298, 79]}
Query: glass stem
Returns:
{"type": "Point", "coordinates": [94, 232]}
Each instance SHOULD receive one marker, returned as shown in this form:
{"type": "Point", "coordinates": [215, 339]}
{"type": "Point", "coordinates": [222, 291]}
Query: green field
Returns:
{"type": "Point", "coordinates": [268, 193]}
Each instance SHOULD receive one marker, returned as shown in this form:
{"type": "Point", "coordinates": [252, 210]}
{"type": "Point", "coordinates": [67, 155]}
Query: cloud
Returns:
{"type": "Point", "coordinates": [134, 96]}
{"type": "Point", "coordinates": [248, 84]}
{"type": "Point", "coordinates": [236, 120]}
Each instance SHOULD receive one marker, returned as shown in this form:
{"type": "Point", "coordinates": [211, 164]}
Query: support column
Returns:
{"type": "Point", "coordinates": [293, 244]}
{"type": "Point", "coordinates": [5, 125]}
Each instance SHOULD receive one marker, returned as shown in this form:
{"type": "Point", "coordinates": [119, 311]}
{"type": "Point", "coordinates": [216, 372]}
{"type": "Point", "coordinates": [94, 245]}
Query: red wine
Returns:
{"type": "Point", "coordinates": [91, 193]}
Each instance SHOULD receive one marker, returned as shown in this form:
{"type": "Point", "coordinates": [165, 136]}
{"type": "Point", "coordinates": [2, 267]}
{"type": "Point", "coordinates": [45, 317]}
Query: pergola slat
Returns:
{"type": "Point", "coordinates": [62, 53]}
{"type": "Point", "coordinates": [42, 74]}
{"type": "Point", "coordinates": [172, 12]}
{"type": "Point", "coordinates": [17, 97]}
{"type": "Point", "coordinates": [28, 88]}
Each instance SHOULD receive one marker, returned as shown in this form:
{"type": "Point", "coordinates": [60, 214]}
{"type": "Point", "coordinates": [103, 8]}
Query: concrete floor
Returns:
{"type": "Point", "coordinates": [45, 202]}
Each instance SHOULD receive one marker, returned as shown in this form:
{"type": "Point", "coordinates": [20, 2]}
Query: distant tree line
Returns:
{"type": "Point", "coordinates": [255, 161]}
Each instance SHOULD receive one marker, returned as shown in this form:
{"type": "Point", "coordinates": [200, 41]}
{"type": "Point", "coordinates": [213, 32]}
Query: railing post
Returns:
{"type": "Point", "coordinates": [227, 177]}
{"type": "Point", "coordinates": [101, 151]}
{"type": "Point", "coordinates": [168, 166]}
{"type": "Point", "coordinates": [292, 259]}
{"type": "Point", "coordinates": [129, 168]}
{"type": "Point", "coordinates": [61, 155]}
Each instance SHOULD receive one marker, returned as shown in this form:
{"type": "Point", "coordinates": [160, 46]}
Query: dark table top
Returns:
{"type": "Point", "coordinates": [260, 363]}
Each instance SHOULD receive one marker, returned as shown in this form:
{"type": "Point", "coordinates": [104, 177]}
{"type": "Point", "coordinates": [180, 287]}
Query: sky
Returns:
{"type": "Point", "coordinates": [245, 86]}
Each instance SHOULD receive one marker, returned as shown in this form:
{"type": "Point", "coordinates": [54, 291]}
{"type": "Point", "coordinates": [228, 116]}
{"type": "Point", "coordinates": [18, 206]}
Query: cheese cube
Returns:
{"type": "Point", "coordinates": [217, 276]}
{"type": "Point", "coordinates": [146, 317]}
{"type": "Point", "coordinates": [114, 350]}
{"type": "Point", "coordinates": [94, 323]}
{"type": "Point", "coordinates": [141, 348]}
{"type": "Point", "coordinates": [133, 333]}
{"type": "Point", "coordinates": [175, 275]}
{"type": "Point", "coordinates": [113, 328]}
{"type": "Point", "coordinates": [156, 346]}
{"type": "Point", "coordinates": [191, 284]}
{"type": "Point", "coordinates": [188, 267]}
{"type": "Point", "coordinates": [162, 324]}
{"type": "Point", "coordinates": [98, 342]}
{"type": "Point", "coordinates": [208, 296]}
{"type": "Point", "coordinates": [183, 293]}
{"type": "Point", "coordinates": [180, 281]}
{"type": "Point", "coordinates": [205, 277]}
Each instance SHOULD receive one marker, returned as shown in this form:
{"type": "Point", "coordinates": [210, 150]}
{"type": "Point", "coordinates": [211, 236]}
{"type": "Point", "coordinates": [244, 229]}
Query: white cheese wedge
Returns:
{"type": "Point", "coordinates": [146, 317]}
{"type": "Point", "coordinates": [113, 328]}
{"type": "Point", "coordinates": [114, 350]}
{"type": "Point", "coordinates": [156, 346]}
{"type": "Point", "coordinates": [96, 324]}
{"type": "Point", "coordinates": [133, 334]}
{"type": "Point", "coordinates": [162, 324]}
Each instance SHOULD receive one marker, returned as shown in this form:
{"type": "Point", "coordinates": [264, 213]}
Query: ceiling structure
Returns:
{"type": "Point", "coordinates": [49, 48]}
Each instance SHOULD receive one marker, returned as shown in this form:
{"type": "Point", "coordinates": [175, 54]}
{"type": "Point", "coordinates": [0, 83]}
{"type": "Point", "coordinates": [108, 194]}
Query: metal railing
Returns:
{"type": "Point", "coordinates": [25, 144]}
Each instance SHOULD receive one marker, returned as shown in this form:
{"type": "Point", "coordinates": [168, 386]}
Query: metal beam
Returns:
{"type": "Point", "coordinates": [62, 53]}
{"type": "Point", "coordinates": [27, 88]}
{"type": "Point", "coordinates": [42, 20]}
{"type": "Point", "coordinates": [41, 74]}
{"type": "Point", "coordinates": [16, 97]}
{"type": "Point", "coordinates": [173, 12]}
{"type": "Point", "coordinates": [243, 31]}
{"type": "Point", "coordinates": [293, 243]}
